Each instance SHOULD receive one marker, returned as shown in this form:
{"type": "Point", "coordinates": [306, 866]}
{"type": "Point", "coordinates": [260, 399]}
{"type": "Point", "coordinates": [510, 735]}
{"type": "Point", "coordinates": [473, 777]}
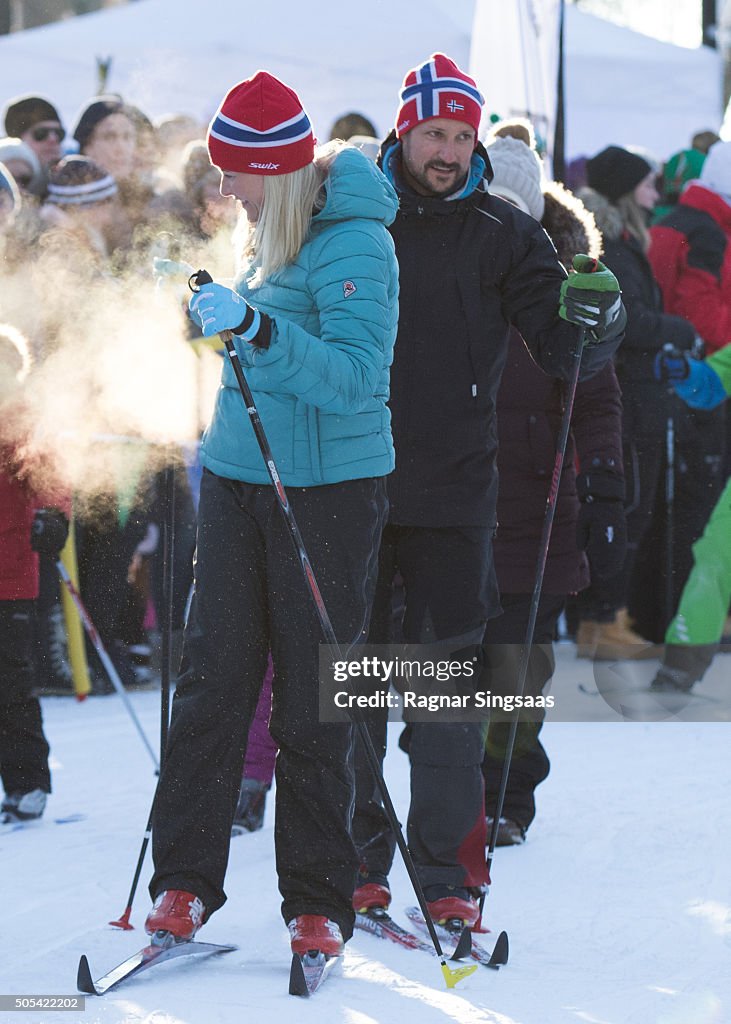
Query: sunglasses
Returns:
{"type": "Point", "coordinates": [41, 134]}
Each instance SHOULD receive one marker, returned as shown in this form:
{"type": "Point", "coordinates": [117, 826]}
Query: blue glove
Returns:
{"type": "Point", "coordinates": [218, 309]}
{"type": "Point", "coordinates": [671, 365]}
{"type": "Point", "coordinates": [702, 388]}
{"type": "Point", "coordinates": [590, 297]}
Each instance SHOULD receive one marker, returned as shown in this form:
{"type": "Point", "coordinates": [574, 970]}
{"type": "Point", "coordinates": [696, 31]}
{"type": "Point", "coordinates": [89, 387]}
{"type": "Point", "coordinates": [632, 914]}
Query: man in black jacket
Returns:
{"type": "Point", "coordinates": [471, 265]}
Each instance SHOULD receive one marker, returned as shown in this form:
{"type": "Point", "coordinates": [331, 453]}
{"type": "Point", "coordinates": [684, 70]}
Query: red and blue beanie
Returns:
{"type": "Point", "coordinates": [438, 89]}
{"type": "Point", "coordinates": [261, 128]}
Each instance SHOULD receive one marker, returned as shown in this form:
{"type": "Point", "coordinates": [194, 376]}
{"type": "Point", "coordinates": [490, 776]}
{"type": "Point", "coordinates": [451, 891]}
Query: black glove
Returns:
{"type": "Point", "coordinates": [49, 532]}
{"type": "Point", "coordinates": [601, 529]}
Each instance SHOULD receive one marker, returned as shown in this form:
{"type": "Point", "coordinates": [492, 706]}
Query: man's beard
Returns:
{"type": "Point", "coordinates": [422, 178]}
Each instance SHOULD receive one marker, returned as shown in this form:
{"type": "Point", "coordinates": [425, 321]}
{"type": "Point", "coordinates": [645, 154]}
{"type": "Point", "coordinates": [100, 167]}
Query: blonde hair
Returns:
{"type": "Point", "coordinates": [290, 200]}
{"type": "Point", "coordinates": [634, 219]}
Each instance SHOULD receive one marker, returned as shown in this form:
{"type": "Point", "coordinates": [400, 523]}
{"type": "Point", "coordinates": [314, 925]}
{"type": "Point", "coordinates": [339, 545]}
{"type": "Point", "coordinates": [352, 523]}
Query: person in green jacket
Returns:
{"type": "Point", "coordinates": [313, 315]}
{"type": "Point", "coordinates": [693, 635]}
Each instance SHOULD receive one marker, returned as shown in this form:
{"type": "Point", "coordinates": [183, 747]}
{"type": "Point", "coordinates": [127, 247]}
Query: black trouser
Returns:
{"type": "Point", "coordinates": [250, 598]}
{"type": "Point", "coordinates": [699, 480]}
{"type": "Point", "coordinates": [450, 593]}
{"type": "Point", "coordinates": [23, 746]}
{"type": "Point", "coordinates": [105, 551]}
{"type": "Point", "coordinates": [529, 765]}
{"type": "Point", "coordinates": [643, 445]}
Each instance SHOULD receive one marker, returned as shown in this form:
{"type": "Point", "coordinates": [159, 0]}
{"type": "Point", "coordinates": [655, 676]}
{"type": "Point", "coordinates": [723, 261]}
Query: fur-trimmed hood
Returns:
{"type": "Point", "coordinates": [569, 224]}
{"type": "Point", "coordinates": [608, 218]}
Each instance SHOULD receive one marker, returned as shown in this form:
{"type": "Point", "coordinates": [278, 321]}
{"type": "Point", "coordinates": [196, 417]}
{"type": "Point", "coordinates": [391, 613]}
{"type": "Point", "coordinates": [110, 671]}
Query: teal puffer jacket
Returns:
{"type": "Point", "coordinates": [322, 385]}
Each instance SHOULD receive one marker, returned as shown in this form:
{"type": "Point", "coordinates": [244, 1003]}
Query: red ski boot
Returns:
{"type": "Point", "coordinates": [372, 891]}
{"type": "Point", "coordinates": [315, 932]}
{"type": "Point", "coordinates": [454, 908]}
{"type": "Point", "coordinates": [177, 912]}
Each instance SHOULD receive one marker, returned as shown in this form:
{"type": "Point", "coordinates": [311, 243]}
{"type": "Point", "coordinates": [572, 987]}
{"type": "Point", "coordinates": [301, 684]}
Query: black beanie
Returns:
{"type": "Point", "coordinates": [25, 111]}
{"type": "Point", "coordinates": [615, 172]}
{"type": "Point", "coordinates": [93, 113]}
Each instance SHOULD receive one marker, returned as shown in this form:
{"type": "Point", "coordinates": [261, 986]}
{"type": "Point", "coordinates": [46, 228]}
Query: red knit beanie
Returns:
{"type": "Point", "coordinates": [261, 128]}
{"type": "Point", "coordinates": [438, 89]}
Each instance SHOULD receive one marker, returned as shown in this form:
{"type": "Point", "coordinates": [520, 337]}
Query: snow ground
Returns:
{"type": "Point", "coordinates": [618, 906]}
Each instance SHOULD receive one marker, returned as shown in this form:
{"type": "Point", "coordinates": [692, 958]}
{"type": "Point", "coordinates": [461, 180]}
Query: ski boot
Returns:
{"type": "Point", "coordinates": [175, 917]}
{"type": "Point", "coordinates": [452, 907]}
{"type": "Point", "coordinates": [311, 933]}
{"type": "Point", "coordinates": [371, 891]}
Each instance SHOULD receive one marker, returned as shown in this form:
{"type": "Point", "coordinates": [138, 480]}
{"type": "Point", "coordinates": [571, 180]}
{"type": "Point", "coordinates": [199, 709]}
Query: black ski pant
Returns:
{"type": "Point", "coordinates": [450, 592]}
{"type": "Point", "coordinates": [529, 765]}
{"type": "Point", "coordinates": [251, 597]}
{"type": "Point", "coordinates": [699, 481]}
{"type": "Point", "coordinates": [643, 444]}
{"type": "Point", "coordinates": [23, 746]}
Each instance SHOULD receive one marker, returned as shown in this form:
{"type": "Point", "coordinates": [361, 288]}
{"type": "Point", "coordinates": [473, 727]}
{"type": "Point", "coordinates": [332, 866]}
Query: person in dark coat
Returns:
{"type": "Point", "coordinates": [621, 193]}
{"type": "Point", "coordinates": [589, 524]}
{"type": "Point", "coordinates": [471, 266]}
{"type": "Point", "coordinates": [30, 523]}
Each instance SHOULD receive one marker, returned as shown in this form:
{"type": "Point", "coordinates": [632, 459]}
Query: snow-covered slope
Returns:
{"type": "Point", "coordinates": [618, 906]}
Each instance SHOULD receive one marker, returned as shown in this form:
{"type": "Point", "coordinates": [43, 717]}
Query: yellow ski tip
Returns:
{"type": "Point", "coordinates": [453, 976]}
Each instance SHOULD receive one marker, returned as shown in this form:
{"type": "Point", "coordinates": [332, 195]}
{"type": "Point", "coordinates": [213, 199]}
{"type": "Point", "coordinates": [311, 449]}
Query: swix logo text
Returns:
{"type": "Point", "coordinates": [264, 167]}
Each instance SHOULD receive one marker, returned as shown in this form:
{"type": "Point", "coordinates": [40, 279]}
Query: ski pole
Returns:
{"type": "Point", "coordinates": [537, 588]}
{"type": "Point", "coordinates": [669, 518]}
{"type": "Point", "coordinates": [451, 976]}
{"type": "Point", "coordinates": [166, 624]}
{"type": "Point", "coordinates": [104, 657]}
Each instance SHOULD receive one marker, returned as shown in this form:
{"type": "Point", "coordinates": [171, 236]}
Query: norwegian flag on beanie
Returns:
{"type": "Point", "coordinates": [261, 128]}
{"type": "Point", "coordinates": [438, 89]}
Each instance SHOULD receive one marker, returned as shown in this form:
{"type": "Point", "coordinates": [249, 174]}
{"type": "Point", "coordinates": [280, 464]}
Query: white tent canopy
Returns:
{"type": "Point", "coordinates": [621, 87]}
{"type": "Point", "coordinates": [180, 56]}
{"type": "Point", "coordinates": [627, 89]}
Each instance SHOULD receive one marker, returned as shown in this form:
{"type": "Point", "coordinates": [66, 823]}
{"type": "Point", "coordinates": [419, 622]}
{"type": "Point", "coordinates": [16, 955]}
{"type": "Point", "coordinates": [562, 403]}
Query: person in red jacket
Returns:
{"type": "Point", "coordinates": [29, 524]}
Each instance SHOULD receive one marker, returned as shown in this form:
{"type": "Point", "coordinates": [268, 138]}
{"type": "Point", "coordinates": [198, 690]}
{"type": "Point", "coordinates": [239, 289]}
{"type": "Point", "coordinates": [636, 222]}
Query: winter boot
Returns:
{"type": "Point", "coordinates": [177, 912]}
{"type": "Point", "coordinates": [682, 666]}
{"type": "Point", "coordinates": [371, 891]}
{"type": "Point", "coordinates": [616, 640]}
{"type": "Point", "coordinates": [22, 806]}
{"type": "Point", "coordinates": [448, 903]}
{"type": "Point", "coordinates": [586, 635]}
{"type": "Point", "coordinates": [249, 814]}
{"type": "Point", "coordinates": [672, 680]}
{"type": "Point", "coordinates": [509, 832]}
{"type": "Point", "coordinates": [313, 932]}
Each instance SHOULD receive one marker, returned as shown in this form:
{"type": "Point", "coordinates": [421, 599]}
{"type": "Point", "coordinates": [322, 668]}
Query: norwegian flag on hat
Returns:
{"type": "Point", "coordinates": [261, 128]}
{"type": "Point", "coordinates": [438, 89]}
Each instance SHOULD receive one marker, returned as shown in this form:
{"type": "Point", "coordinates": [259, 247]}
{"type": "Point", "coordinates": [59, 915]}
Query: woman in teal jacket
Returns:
{"type": "Point", "coordinates": [314, 318]}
